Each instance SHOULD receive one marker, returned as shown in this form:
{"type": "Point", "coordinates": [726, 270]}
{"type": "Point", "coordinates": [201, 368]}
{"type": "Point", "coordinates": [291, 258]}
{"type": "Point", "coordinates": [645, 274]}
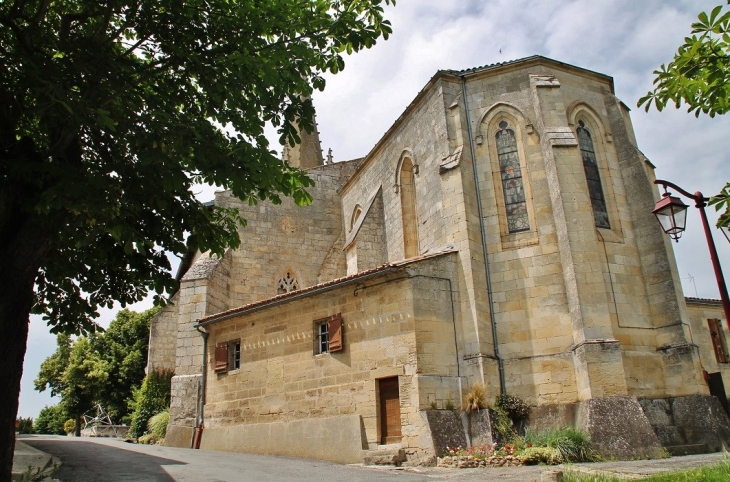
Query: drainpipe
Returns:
{"type": "Point", "coordinates": [199, 423]}
{"type": "Point", "coordinates": [482, 230]}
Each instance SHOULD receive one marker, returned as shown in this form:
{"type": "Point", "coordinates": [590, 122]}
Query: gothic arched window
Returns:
{"type": "Point", "coordinates": [512, 186]}
{"type": "Point", "coordinates": [287, 283]}
{"type": "Point", "coordinates": [408, 209]}
{"type": "Point", "coordinates": [595, 190]}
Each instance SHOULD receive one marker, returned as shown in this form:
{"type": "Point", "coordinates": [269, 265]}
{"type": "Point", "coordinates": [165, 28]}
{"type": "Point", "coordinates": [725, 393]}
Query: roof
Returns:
{"type": "Point", "coordinates": [498, 65]}
{"type": "Point", "coordinates": [329, 285]}
{"type": "Point", "coordinates": [702, 301]}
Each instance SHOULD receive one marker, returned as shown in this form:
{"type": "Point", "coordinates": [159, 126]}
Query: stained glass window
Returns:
{"type": "Point", "coordinates": [511, 172]}
{"type": "Point", "coordinates": [588, 153]}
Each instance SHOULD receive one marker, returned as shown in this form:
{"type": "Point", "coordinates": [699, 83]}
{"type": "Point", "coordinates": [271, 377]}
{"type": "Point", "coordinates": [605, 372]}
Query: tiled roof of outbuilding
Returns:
{"type": "Point", "coordinates": [257, 305]}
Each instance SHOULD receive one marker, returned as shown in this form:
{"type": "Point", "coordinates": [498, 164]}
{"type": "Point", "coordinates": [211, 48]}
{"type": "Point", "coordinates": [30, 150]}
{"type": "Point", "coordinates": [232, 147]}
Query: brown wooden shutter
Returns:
{"type": "Point", "coordinates": [221, 357]}
{"type": "Point", "coordinates": [718, 342]}
{"type": "Point", "coordinates": [334, 328]}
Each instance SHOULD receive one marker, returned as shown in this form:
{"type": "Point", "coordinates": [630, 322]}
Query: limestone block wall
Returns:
{"type": "Point", "coordinates": [163, 338]}
{"type": "Point", "coordinates": [305, 241]}
{"type": "Point", "coordinates": [368, 249]}
{"type": "Point", "coordinates": [563, 282]}
{"type": "Point", "coordinates": [430, 133]}
{"type": "Point", "coordinates": [282, 379]}
{"type": "Point", "coordinates": [700, 310]}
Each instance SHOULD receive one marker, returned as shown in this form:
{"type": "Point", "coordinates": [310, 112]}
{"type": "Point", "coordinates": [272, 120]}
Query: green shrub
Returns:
{"type": "Point", "coordinates": [152, 398]}
{"type": "Point", "coordinates": [148, 439]}
{"type": "Point", "coordinates": [50, 420]}
{"type": "Point", "coordinates": [69, 426]}
{"type": "Point", "coordinates": [572, 444]}
{"type": "Point", "coordinates": [504, 427]}
{"type": "Point", "coordinates": [541, 455]}
{"type": "Point", "coordinates": [514, 407]}
{"type": "Point", "coordinates": [24, 425]}
{"type": "Point", "coordinates": [157, 425]}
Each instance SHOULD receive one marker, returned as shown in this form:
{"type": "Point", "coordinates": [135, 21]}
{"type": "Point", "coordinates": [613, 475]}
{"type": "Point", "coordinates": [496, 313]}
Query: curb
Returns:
{"type": "Point", "coordinates": [32, 464]}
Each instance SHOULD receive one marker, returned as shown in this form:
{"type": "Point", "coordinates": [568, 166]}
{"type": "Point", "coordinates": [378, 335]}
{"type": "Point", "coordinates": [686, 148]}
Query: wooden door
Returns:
{"type": "Point", "coordinates": [389, 411]}
{"type": "Point", "coordinates": [717, 388]}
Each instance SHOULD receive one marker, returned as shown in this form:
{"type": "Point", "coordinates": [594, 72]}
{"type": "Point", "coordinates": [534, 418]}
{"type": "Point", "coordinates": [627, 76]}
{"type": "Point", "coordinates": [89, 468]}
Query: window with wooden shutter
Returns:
{"type": "Point", "coordinates": [221, 357]}
{"type": "Point", "coordinates": [334, 331]}
{"type": "Point", "coordinates": [718, 340]}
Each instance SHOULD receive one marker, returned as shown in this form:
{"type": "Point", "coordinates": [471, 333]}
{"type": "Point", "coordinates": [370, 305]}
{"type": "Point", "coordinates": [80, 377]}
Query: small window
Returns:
{"type": "Point", "coordinates": [234, 350]}
{"type": "Point", "coordinates": [227, 356]}
{"type": "Point", "coordinates": [287, 283]}
{"type": "Point", "coordinates": [718, 340]}
{"type": "Point", "coordinates": [328, 335]}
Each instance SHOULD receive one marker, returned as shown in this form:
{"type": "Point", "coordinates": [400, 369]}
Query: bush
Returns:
{"type": "Point", "coordinates": [50, 420]}
{"type": "Point", "coordinates": [514, 407]}
{"type": "Point", "coordinates": [572, 444]}
{"type": "Point", "coordinates": [24, 425]}
{"type": "Point", "coordinates": [153, 397]}
{"type": "Point", "coordinates": [69, 426]}
{"type": "Point", "coordinates": [541, 455]}
{"type": "Point", "coordinates": [474, 398]}
{"type": "Point", "coordinates": [158, 423]}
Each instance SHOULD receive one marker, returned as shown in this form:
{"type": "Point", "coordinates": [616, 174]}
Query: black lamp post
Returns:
{"type": "Point", "coordinates": [671, 213]}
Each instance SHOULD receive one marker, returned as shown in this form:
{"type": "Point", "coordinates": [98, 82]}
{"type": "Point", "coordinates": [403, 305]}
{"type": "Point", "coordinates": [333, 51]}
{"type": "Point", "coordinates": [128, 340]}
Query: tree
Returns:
{"type": "Point", "coordinates": [699, 76]}
{"type": "Point", "coordinates": [106, 368]}
{"type": "Point", "coordinates": [50, 420]}
{"type": "Point", "coordinates": [75, 372]}
{"type": "Point", "coordinates": [123, 347]}
{"type": "Point", "coordinates": [111, 111]}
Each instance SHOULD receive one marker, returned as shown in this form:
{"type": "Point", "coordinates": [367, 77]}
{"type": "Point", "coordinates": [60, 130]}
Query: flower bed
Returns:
{"type": "Point", "coordinates": [470, 461]}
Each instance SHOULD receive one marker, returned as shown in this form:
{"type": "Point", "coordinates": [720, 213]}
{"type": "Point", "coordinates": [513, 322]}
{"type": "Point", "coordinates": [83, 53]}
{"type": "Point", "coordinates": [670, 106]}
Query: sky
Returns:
{"type": "Point", "coordinates": [626, 39]}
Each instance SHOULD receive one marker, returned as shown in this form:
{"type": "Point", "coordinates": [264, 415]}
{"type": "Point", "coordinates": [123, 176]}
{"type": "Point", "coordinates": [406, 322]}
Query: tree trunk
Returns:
{"type": "Point", "coordinates": [77, 426]}
{"type": "Point", "coordinates": [24, 242]}
{"type": "Point", "coordinates": [13, 337]}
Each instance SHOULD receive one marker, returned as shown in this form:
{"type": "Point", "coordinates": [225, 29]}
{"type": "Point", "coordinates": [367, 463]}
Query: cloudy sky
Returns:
{"type": "Point", "coordinates": [626, 39]}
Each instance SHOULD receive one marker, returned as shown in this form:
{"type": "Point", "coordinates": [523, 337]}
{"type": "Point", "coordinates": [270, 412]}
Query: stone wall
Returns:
{"type": "Point", "coordinates": [700, 310]}
{"type": "Point", "coordinates": [279, 238]}
{"type": "Point", "coordinates": [282, 379]}
{"type": "Point", "coordinates": [163, 338]}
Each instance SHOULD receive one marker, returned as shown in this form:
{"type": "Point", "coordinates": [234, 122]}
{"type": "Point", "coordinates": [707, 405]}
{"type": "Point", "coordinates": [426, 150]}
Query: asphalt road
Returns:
{"type": "Point", "coordinates": [109, 460]}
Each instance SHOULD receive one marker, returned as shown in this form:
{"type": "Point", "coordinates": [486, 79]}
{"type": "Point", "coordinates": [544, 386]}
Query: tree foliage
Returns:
{"type": "Point", "coordinates": [105, 368]}
{"type": "Point", "coordinates": [152, 398]}
{"type": "Point", "coordinates": [50, 420]}
{"type": "Point", "coordinates": [110, 112]}
{"type": "Point", "coordinates": [699, 76]}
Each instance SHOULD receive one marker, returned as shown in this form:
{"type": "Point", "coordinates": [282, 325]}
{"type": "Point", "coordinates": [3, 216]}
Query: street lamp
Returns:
{"type": "Point", "coordinates": [671, 213]}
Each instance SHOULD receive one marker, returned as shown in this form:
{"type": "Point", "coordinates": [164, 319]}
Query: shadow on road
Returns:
{"type": "Point", "coordinates": [85, 461]}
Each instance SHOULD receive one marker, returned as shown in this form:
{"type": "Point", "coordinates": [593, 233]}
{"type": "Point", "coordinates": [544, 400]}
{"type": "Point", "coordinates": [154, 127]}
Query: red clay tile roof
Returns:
{"type": "Point", "coordinates": [704, 301]}
{"type": "Point", "coordinates": [257, 305]}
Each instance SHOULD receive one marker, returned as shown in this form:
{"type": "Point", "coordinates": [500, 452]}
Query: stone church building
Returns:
{"type": "Point", "coordinates": [500, 232]}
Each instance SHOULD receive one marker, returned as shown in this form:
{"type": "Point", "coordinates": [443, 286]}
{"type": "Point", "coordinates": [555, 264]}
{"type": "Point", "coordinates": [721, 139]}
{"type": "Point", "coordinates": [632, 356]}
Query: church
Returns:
{"type": "Point", "coordinates": [499, 233]}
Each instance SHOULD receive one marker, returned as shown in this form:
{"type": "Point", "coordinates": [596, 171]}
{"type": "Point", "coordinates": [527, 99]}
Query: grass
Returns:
{"type": "Point", "coordinates": [711, 473]}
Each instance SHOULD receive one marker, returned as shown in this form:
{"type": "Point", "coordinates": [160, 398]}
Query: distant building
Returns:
{"type": "Point", "coordinates": [500, 232]}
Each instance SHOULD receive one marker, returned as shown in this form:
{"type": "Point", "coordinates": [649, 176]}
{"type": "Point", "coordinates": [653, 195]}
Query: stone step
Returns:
{"type": "Point", "coordinates": [689, 449]}
{"type": "Point", "coordinates": [393, 456]}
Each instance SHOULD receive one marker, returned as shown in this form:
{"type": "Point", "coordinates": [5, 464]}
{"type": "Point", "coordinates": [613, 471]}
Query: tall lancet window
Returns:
{"type": "Point", "coordinates": [511, 172]}
{"type": "Point", "coordinates": [595, 190]}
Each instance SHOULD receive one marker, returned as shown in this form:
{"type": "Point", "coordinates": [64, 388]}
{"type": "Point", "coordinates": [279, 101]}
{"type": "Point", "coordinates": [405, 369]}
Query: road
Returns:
{"type": "Point", "coordinates": [110, 460]}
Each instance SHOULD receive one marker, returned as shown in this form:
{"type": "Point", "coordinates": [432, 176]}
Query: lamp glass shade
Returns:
{"type": "Point", "coordinates": [671, 213]}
